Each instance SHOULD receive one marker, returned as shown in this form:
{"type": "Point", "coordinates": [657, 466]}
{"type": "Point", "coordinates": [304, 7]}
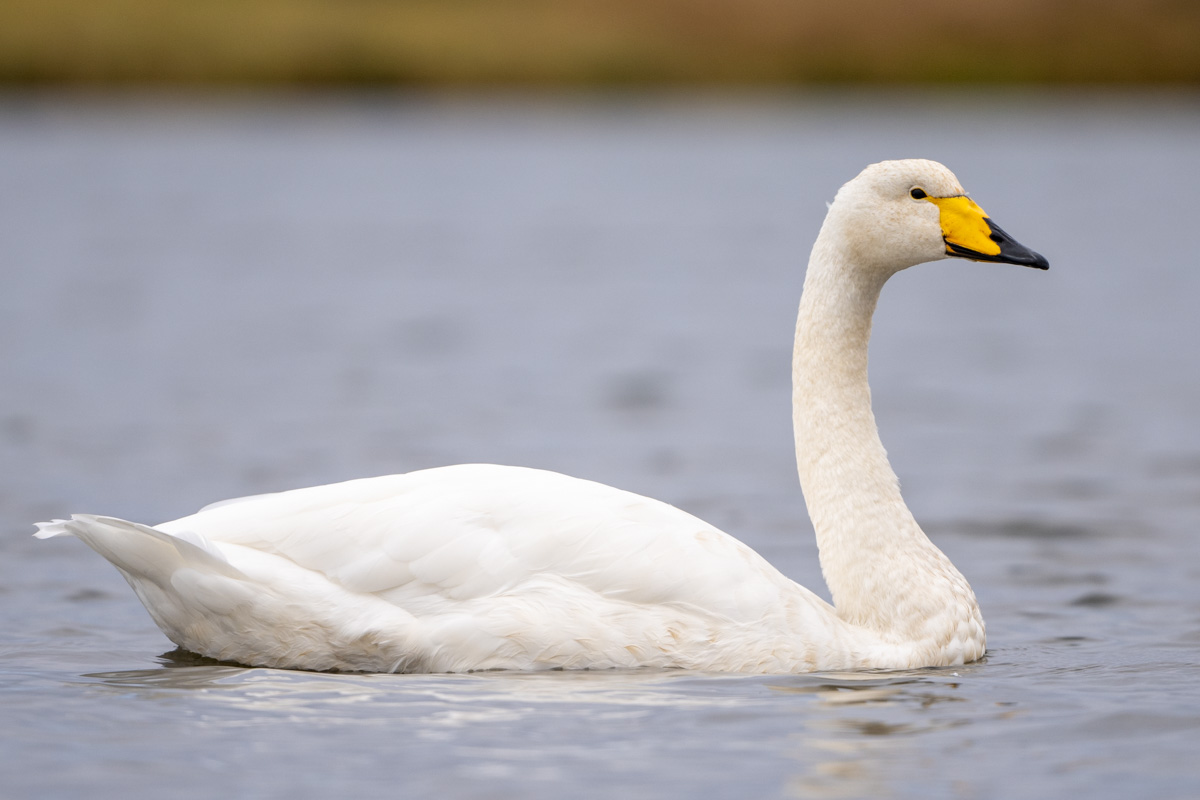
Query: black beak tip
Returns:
{"type": "Point", "coordinates": [1038, 261]}
{"type": "Point", "coordinates": [1013, 251]}
{"type": "Point", "coordinates": [1010, 253]}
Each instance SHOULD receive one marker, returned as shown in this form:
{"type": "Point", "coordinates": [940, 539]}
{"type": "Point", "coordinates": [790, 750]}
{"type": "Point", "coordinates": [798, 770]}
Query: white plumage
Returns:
{"type": "Point", "coordinates": [478, 567]}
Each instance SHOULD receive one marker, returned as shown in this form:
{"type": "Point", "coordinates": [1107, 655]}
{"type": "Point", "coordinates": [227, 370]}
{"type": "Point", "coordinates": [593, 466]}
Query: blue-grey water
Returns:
{"type": "Point", "coordinates": [211, 297]}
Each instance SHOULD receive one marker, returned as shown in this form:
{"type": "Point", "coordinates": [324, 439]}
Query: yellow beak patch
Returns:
{"type": "Point", "coordinates": [964, 224]}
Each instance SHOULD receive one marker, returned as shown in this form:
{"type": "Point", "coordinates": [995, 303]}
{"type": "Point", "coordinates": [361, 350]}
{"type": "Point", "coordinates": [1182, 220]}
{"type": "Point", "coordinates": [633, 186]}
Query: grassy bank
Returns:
{"type": "Point", "coordinates": [597, 42]}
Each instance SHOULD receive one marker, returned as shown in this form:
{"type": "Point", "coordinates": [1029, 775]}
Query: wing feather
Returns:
{"type": "Point", "coordinates": [478, 531]}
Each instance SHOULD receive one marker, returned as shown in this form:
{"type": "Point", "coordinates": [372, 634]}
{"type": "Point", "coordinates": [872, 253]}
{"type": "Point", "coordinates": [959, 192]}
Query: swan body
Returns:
{"type": "Point", "coordinates": [477, 567]}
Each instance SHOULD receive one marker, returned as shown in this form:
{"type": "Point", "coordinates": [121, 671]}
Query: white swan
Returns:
{"type": "Point", "coordinates": [479, 567]}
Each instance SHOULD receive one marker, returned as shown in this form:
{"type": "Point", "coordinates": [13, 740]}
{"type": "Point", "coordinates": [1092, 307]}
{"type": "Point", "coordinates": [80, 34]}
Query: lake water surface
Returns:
{"type": "Point", "coordinates": [210, 298]}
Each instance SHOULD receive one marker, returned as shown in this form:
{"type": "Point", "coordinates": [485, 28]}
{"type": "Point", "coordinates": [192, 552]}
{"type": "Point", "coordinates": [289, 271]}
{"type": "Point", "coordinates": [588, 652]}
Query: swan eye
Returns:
{"type": "Point", "coordinates": [918, 194]}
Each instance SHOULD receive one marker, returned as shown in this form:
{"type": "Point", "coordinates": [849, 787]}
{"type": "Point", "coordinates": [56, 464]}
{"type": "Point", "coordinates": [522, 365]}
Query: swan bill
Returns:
{"type": "Point", "coordinates": [970, 233]}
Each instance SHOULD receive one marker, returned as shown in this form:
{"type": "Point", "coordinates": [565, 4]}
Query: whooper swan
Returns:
{"type": "Point", "coordinates": [479, 567]}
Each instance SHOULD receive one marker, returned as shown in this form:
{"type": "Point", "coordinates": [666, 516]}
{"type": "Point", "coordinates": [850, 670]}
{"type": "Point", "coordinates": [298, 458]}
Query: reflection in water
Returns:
{"type": "Point", "coordinates": [433, 699]}
{"type": "Point", "coordinates": [845, 733]}
{"type": "Point", "coordinates": [428, 697]}
{"type": "Point", "coordinates": [847, 768]}
{"type": "Point", "coordinates": [853, 748]}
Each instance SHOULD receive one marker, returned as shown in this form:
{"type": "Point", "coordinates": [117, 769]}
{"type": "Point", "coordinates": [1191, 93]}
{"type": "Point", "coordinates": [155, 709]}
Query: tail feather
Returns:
{"type": "Point", "coordinates": [139, 549]}
{"type": "Point", "coordinates": [55, 527]}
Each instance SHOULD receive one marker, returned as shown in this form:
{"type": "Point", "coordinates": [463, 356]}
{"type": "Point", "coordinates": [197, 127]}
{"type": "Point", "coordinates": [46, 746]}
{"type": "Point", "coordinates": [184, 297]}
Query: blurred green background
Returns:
{"type": "Point", "coordinates": [597, 42]}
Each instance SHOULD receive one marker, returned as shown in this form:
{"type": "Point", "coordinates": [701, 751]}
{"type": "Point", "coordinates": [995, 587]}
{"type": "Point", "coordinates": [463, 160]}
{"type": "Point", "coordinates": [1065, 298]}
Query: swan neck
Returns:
{"type": "Point", "coordinates": [883, 572]}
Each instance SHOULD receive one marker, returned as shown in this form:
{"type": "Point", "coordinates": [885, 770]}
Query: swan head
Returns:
{"type": "Point", "coordinates": [895, 214]}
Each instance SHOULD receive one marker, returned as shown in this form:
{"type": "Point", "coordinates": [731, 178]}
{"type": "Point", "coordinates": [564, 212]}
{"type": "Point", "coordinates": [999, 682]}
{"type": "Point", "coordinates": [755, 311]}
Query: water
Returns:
{"type": "Point", "coordinates": [211, 298]}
